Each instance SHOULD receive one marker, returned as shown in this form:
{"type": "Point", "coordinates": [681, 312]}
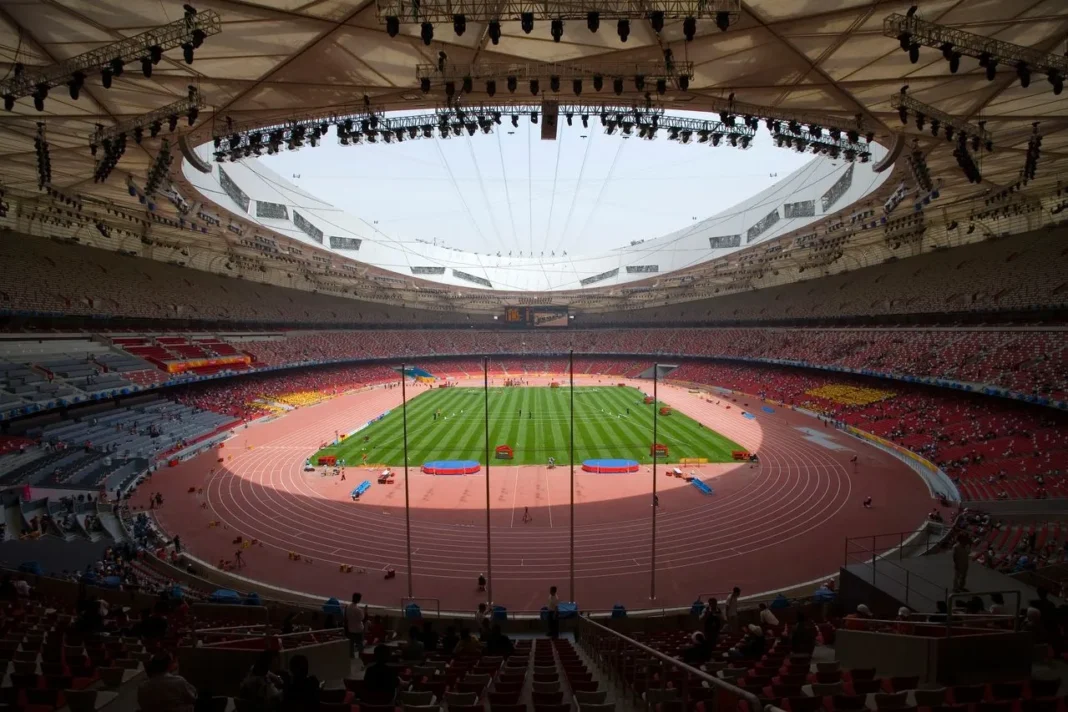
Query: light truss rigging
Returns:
{"type": "Point", "coordinates": [445, 11]}
{"type": "Point", "coordinates": [912, 33]}
{"type": "Point", "coordinates": [188, 108]}
{"type": "Point", "coordinates": [109, 60]}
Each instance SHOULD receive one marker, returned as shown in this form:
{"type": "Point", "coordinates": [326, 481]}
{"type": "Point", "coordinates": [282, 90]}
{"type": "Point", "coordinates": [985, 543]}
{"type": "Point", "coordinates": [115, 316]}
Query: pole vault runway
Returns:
{"type": "Point", "coordinates": [768, 526]}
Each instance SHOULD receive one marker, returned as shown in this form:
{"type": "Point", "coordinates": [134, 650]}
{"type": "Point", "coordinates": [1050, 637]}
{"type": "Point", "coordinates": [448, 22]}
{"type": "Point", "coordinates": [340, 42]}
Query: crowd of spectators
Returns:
{"type": "Point", "coordinates": [1028, 361]}
{"type": "Point", "coordinates": [251, 397]}
{"type": "Point", "coordinates": [1019, 274]}
{"type": "Point", "coordinates": [993, 448]}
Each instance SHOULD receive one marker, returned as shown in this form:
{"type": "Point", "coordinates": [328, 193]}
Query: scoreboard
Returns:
{"type": "Point", "coordinates": [551, 317]}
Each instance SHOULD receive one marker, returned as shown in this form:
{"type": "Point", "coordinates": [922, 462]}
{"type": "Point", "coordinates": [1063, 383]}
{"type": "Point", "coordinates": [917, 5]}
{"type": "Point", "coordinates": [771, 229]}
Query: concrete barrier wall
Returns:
{"type": "Point", "coordinates": [952, 660]}
{"type": "Point", "coordinates": [220, 671]}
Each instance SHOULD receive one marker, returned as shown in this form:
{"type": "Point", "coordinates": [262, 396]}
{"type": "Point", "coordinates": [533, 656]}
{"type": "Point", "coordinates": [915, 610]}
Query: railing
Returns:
{"type": "Point", "coordinates": [908, 544]}
{"type": "Point", "coordinates": [1014, 622]}
{"type": "Point", "coordinates": [416, 599]}
{"type": "Point", "coordinates": [630, 664]}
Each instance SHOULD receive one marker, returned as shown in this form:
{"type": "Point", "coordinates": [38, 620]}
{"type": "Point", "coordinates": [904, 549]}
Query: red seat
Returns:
{"type": "Point", "coordinates": [562, 707]}
{"type": "Point", "coordinates": [547, 698]}
{"type": "Point", "coordinates": [1007, 690]}
{"type": "Point", "coordinates": [1047, 704]}
{"type": "Point", "coordinates": [866, 687]}
{"type": "Point", "coordinates": [502, 698]}
{"type": "Point", "coordinates": [804, 704]}
{"type": "Point", "coordinates": [899, 684]}
{"type": "Point", "coordinates": [848, 702]}
{"type": "Point", "coordinates": [967, 694]}
{"type": "Point", "coordinates": [1043, 688]}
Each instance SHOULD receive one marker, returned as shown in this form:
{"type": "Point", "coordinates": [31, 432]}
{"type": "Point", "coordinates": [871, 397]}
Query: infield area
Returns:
{"type": "Point", "coordinates": [610, 422]}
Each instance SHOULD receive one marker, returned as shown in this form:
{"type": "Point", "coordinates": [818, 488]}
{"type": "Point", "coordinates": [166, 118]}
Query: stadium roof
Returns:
{"type": "Point", "coordinates": [273, 59]}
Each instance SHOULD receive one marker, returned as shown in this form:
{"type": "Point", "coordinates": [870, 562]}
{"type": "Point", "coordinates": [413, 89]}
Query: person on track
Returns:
{"type": "Point", "coordinates": [867, 502]}
{"type": "Point", "coordinates": [481, 583]}
{"type": "Point", "coordinates": [526, 515]}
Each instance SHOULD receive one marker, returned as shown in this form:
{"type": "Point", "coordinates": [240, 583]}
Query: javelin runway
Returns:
{"type": "Point", "coordinates": [768, 526]}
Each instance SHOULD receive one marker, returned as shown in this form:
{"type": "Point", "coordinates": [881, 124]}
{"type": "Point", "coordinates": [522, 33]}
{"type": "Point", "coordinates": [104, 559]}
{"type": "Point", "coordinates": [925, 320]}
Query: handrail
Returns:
{"type": "Point", "coordinates": [752, 700]}
{"type": "Point", "coordinates": [407, 600]}
{"type": "Point", "coordinates": [957, 596]}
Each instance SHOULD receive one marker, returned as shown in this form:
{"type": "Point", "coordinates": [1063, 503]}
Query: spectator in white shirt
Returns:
{"type": "Point", "coordinates": [767, 618]}
{"type": "Point", "coordinates": [354, 625]}
{"type": "Point", "coordinates": [732, 609]}
{"type": "Point", "coordinates": [554, 613]}
{"type": "Point", "coordinates": [164, 692]}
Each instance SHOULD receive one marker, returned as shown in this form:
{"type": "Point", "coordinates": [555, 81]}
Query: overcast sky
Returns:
{"type": "Point", "coordinates": [511, 191]}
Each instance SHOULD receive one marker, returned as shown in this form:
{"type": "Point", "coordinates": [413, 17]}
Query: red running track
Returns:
{"type": "Point", "coordinates": [768, 526]}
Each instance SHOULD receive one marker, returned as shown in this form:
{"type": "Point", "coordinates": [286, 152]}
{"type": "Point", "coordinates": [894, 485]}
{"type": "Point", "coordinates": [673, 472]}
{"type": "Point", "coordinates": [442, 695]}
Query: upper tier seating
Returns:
{"type": "Point", "coordinates": [1022, 273]}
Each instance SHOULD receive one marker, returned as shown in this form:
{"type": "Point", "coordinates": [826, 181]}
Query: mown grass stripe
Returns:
{"type": "Point", "coordinates": [602, 428]}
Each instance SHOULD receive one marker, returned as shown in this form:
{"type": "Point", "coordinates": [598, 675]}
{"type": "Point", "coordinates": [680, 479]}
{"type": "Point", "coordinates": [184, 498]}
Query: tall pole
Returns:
{"type": "Point", "coordinates": [571, 459]}
{"type": "Point", "coordinates": [407, 503]}
{"type": "Point", "coordinates": [489, 548]}
{"type": "Point", "coordinates": [652, 558]}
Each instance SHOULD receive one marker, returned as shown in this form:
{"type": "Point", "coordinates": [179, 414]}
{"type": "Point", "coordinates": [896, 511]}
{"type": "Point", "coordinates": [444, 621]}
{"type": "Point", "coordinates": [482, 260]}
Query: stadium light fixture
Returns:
{"type": "Point", "coordinates": [912, 33]}
{"type": "Point", "coordinates": [151, 44]}
{"type": "Point", "coordinates": [557, 29]}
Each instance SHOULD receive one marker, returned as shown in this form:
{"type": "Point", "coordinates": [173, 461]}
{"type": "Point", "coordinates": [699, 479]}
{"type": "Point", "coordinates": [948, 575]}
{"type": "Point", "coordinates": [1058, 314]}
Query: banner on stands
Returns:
{"type": "Point", "coordinates": [182, 366]}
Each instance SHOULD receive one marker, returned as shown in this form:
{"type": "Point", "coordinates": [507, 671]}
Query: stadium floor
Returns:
{"type": "Point", "coordinates": [449, 424]}
{"type": "Point", "coordinates": [768, 526]}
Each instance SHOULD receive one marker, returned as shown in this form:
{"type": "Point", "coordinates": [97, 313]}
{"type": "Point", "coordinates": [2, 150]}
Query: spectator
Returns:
{"type": "Point", "coordinates": [301, 693]}
{"type": "Point", "coordinates": [752, 646]}
{"type": "Point", "coordinates": [780, 602]}
{"type": "Point", "coordinates": [698, 653]}
{"type": "Point", "coordinates": [414, 651]}
{"type": "Point", "coordinates": [997, 604]}
{"type": "Point", "coordinates": [732, 609]}
{"type": "Point", "coordinates": [961, 556]}
{"type": "Point", "coordinates": [712, 620]}
{"type": "Point", "coordinates": [468, 644]}
{"type": "Point", "coordinates": [498, 643]}
{"type": "Point", "coordinates": [8, 592]}
{"type": "Point", "coordinates": [553, 609]}
{"type": "Point", "coordinates": [803, 635]}
{"type": "Point", "coordinates": [380, 680]}
{"type": "Point", "coordinates": [767, 618]}
{"type": "Point", "coordinates": [164, 692]}
{"type": "Point", "coordinates": [430, 636]}
{"type": "Point", "coordinates": [355, 619]}
{"type": "Point", "coordinates": [262, 686]}
{"type": "Point", "coordinates": [450, 640]}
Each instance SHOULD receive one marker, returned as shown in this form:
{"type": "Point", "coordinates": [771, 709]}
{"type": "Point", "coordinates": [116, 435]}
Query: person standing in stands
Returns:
{"type": "Point", "coordinates": [380, 680]}
{"type": "Point", "coordinates": [732, 609]}
{"type": "Point", "coordinates": [554, 613]}
{"type": "Point", "coordinates": [712, 620]}
{"type": "Point", "coordinates": [164, 692]}
{"type": "Point", "coordinates": [961, 557]}
{"type": "Point", "coordinates": [355, 619]}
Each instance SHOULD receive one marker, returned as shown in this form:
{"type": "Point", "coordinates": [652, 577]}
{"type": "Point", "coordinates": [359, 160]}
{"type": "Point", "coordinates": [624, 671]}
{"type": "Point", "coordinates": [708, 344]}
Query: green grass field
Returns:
{"type": "Point", "coordinates": [603, 428]}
